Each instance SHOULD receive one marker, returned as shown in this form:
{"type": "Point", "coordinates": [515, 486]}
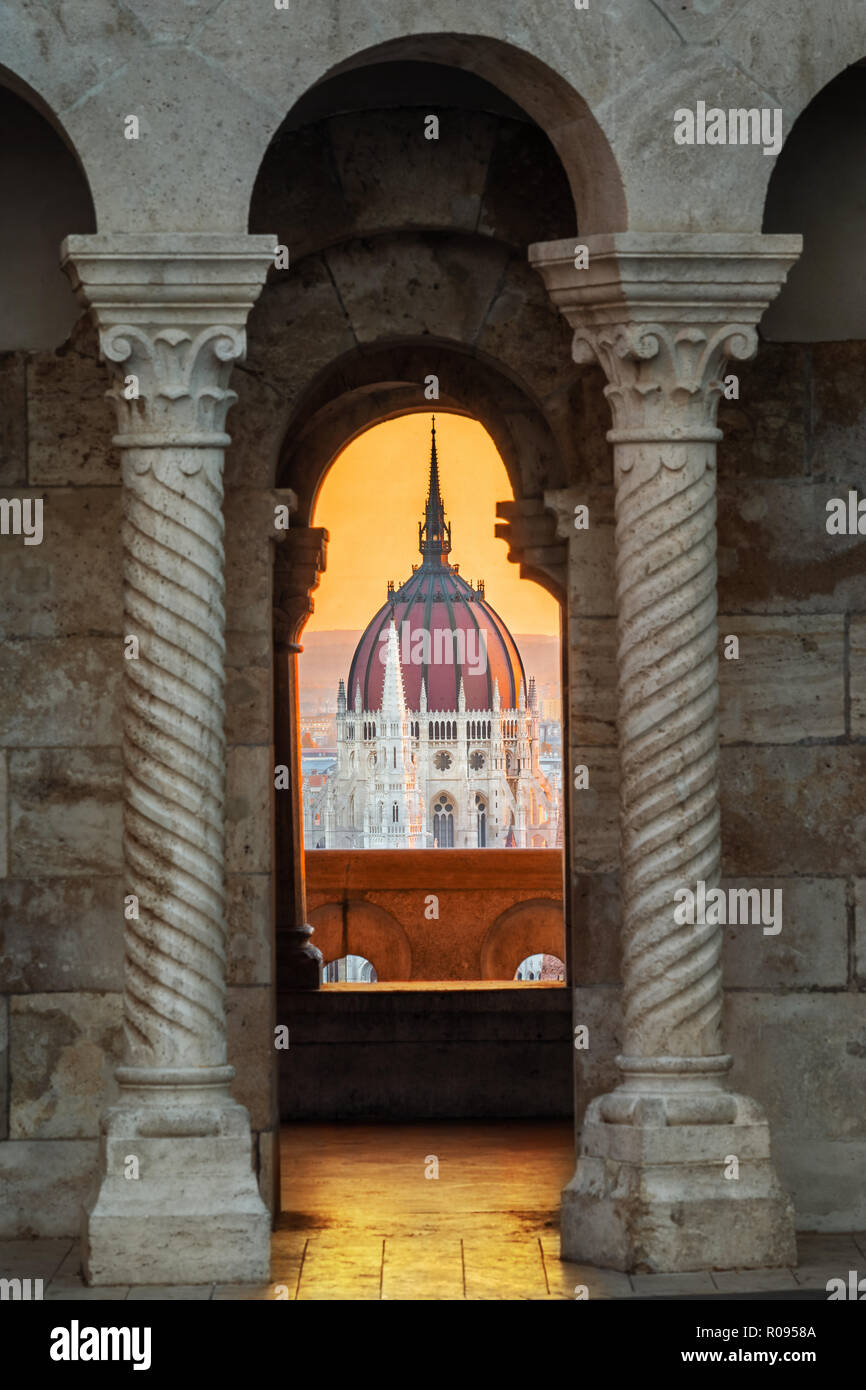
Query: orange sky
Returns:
{"type": "Point", "coordinates": [372, 500]}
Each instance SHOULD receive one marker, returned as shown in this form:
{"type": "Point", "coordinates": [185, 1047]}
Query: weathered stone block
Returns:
{"type": "Point", "coordinates": [269, 1168]}
{"type": "Point", "coordinates": [249, 818]}
{"type": "Point", "coordinates": [595, 811]}
{"type": "Point", "coordinates": [857, 674]}
{"type": "Point", "coordinates": [63, 1050]}
{"type": "Point", "coordinates": [427, 284]}
{"type": "Point", "coordinates": [860, 929]}
{"type": "Point", "coordinates": [298, 192]}
{"type": "Point", "coordinates": [775, 554]}
{"type": "Point", "coordinates": [65, 815]}
{"type": "Point", "coordinates": [765, 434]}
{"type": "Point", "coordinates": [811, 950]}
{"type": "Point", "coordinates": [803, 1057]}
{"type": "Point", "coordinates": [838, 442]}
{"type": "Point", "coordinates": [13, 419]}
{"type": "Point", "coordinates": [788, 683]}
{"type": "Point", "coordinates": [249, 555]}
{"type": "Point", "coordinates": [61, 692]}
{"type": "Point", "coordinates": [592, 555]}
{"type": "Point", "coordinates": [4, 814]}
{"type": "Point", "coordinates": [69, 423]}
{"type": "Point", "coordinates": [297, 328]}
{"type": "Point", "coordinates": [393, 177]}
{"type": "Point", "coordinates": [71, 584]}
{"type": "Point", "coordinates": [594, 681]}
{"type": "Point", "coordinates": [523, 157]}
{"type": "Point", "coordinates": [595, 938]}
{"type": "Point", "coordinates": [250, 931]}
{"type": "Point", "coordinates": [786, 807]}
{"type": "Point", "coordinates": [61, 934]}
{"type": "Point", "coordinates": [251, 1052]}
{"type": "Point", "coordinates": [4, 1067]}
{"type": "Point", "coordinates": [257, 424]}
{"type": "Point", "coordinates": [44, 1183]}
{"type": "Point", "coordinates": [523, 328]}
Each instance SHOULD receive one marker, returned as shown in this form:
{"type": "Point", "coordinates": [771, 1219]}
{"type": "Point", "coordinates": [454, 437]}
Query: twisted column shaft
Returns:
{"type": "Point", "coordinates": [668, 739]}
{"type": "Point", "coordinates": [174, 759]}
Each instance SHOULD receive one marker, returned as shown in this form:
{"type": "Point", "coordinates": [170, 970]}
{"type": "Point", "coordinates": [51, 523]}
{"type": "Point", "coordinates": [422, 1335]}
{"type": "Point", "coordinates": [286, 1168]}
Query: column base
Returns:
{"type": "Point", "coordinates": [650, 1193]}
{"type": "Point", "coordinates": [194, 1214]}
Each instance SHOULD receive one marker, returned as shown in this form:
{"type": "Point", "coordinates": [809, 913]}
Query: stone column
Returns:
{"type": "Point", "coordinates": [654, 1187]}
{"type": "Point", "coordinates": [299, 560]}
{"type": "Point", "coordinates": [177, 1200]}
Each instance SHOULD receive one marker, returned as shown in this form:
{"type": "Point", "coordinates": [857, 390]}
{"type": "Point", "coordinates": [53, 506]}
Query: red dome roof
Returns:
{"type": "Point", "coordinates": [446, 631]}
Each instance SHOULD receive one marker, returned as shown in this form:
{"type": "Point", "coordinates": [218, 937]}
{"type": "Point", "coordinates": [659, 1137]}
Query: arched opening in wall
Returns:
{"type": "Point", "coordinates": [817, 189]}
{"type": "Point", "coordinates": [409, 293]}
{"type": "Point", "coordinates": [430, 697]}
{"type": "Point", "coordinates": [350, 970]}
{"type": "Point", "coordinates": [541, 967]}
{"type": "Point", "coordinates": [51, 200]}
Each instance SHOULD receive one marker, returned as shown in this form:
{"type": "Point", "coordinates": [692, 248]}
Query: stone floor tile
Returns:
{"type": "Point", "coordinates": [85, 1295]}
{"type": "Point", "coordinates": [150, 1293]}
{"type": "Point", "coordinates": [671, 1285]}
{"type": "Point", "coordinates": [422, 1268]}
{"type": "Point", "coordinates": [342, 1266]}
{"type": "Point", "coordinates": [248, 1293]}
{"type": "Point", "coordinates": [825, 1247]}
{"type": "Point", "coordinates": [32, 1259]}
{"type": "Point", "coordinates": [816, 1276]}
{"type": "Point", "coordinates": [563, 1276]}
{"type": "Point", "coordinates": [753, 1280]}
{"type": "Point", "coordinates": [504, 1269]}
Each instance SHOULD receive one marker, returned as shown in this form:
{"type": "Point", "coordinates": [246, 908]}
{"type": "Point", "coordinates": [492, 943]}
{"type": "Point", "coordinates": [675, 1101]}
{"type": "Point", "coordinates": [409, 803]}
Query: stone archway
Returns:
{"type": "Point", "coordinates": [527, 929]}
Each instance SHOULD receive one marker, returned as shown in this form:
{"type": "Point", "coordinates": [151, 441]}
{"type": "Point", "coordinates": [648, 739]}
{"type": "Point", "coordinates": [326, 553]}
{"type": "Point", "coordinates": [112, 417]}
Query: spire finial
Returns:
{"type": "Point", "coordinates": [434, 533]}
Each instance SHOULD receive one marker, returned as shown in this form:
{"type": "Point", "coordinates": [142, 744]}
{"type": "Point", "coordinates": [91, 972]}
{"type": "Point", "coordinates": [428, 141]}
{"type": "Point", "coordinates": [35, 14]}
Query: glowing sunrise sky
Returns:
{"type": "Point", "coordinates": [372, 500]}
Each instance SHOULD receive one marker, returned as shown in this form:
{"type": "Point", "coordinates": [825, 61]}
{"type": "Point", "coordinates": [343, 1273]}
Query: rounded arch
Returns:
{"type": "Point", "coordinates": [533, 80]}
{"type": "Point", "coordinates": [359, 928]}
{"type": "Point", "coordinates": [816, 189]}
{"type": "Point", "coordinates": [359, 390]}
{"type": "Point", "coordinates": [526, 929]}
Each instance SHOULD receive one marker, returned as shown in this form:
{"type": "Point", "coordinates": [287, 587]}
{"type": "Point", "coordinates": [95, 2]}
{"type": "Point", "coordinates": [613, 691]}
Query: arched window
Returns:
{"type": "Point", "coordinates": [443, 822]}
{"type": "Point", "coordinates": [356, 969]}
{"type": "Point", "coordinates": [395, 812]}
{"type": "Point", "coordinates": [481, 820]}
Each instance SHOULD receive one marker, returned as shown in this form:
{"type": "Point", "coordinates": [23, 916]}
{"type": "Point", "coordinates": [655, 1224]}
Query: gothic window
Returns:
{"type": "Point", "coordinates": [442, 761]}
{"type": "Point", "coordinates": [394, 760]}
{"type": "Point", "coordinates": [476, 761]}
{"type": "Point", "coordinates": [395, 813]}
{"type": "Point", "coordinates": [443, 823]}
{"type": "Point", "coordinates": [481, 821]}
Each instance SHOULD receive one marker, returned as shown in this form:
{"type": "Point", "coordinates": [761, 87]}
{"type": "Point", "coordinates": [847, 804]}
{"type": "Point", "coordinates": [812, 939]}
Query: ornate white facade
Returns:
{"type": "Point", "coordinates": [461, 779]}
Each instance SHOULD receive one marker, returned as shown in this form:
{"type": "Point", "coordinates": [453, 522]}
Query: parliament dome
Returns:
{"type": "Point", "coordinates": [447, 631]}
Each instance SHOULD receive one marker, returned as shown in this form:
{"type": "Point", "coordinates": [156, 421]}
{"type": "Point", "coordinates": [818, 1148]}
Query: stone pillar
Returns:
{"type": "Point", "coordinates": [299, 560]}
{"type": "Point", "coordinates": [177, 1200]}
{"type": "Point", "coordinates": [653, 1189]}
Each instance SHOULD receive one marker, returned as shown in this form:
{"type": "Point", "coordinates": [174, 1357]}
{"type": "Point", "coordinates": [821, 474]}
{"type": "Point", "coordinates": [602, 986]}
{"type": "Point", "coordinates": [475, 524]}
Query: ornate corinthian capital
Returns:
{"type": "Point", "coordinates": [663, 313]}
{"type": "Point", "coordinates": [171, 312]}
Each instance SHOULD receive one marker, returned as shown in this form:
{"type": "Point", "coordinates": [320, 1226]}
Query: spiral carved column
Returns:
{"type": "Point", "coordinates": [653, 1190]}
{"type": "Point", "coordinates": [171, 313]}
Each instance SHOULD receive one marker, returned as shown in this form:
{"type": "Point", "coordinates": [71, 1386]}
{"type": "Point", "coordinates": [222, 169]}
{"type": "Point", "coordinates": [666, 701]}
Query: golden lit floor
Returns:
{"type": "Point", "coordinates": [433, 1211]}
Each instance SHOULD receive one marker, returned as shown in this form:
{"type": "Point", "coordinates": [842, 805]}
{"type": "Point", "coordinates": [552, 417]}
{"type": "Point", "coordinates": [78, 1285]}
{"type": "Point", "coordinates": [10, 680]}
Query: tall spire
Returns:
{"type": "Point", "coordinates": [393, 698]}
{"type": "Point", "coordinates": [434, 533]}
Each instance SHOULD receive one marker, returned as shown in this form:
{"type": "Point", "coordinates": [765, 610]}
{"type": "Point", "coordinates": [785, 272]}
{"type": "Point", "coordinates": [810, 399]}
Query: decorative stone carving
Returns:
{"type": "Point", "coordinates": [662, 315]}
{"type": "Point", "coordinates": [171, 314]}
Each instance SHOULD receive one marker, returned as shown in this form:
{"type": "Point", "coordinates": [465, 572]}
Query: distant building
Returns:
{"type": "Point", "coordinates": [438, 739]}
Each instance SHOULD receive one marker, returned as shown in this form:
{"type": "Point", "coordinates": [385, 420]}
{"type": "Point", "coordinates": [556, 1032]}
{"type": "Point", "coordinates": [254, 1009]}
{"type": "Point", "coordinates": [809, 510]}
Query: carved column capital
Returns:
{"type": "Point", "coordinates": [171, 311]}
{"type": "Point", "coordinates": [663, 313]}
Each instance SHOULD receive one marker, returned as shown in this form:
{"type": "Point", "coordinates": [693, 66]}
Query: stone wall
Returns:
{"type": "Point", "coordinates": [793, 764]}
